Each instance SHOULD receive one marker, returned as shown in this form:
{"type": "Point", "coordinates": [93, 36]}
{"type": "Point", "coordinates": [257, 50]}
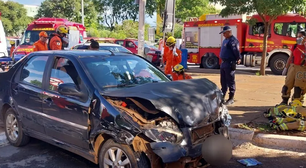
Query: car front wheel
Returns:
{"type": "Point", "coordinates": [117, 155]}
{"type": "Point", "coordinates": [13, 129]}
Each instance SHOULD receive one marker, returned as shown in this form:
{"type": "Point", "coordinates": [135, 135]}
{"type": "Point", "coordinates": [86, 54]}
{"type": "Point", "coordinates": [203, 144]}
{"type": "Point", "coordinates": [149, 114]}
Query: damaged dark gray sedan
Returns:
{"type": "Point", "coordinates": [114, 109]}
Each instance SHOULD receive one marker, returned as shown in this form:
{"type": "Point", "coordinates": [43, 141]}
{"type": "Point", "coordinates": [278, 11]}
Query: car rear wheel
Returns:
{"type": "Point", "coordinates": [13, 129]}
{"type": "Point", "coordinates": [121, 156]}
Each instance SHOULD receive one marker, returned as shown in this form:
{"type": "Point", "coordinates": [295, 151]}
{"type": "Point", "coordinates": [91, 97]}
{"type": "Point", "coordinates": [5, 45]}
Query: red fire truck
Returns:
{"type": "Point", "coordinates": [77, 33]}
{"type": "Point", "coordinates": [203, 41]}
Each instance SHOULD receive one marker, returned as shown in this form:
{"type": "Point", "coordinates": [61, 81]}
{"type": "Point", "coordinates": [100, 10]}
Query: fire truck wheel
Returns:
{"type": "Point", "coordinates": [278, 63]}
{"type": "Point", "coordinates": [210, 62]}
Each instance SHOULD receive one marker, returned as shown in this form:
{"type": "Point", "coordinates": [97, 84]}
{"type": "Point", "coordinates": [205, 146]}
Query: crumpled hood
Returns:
{"type": "Point", "coordinates": [190, 102]}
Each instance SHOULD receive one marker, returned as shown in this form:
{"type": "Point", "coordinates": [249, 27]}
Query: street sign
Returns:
{"type": "Point", "coordinates": [169, 16]}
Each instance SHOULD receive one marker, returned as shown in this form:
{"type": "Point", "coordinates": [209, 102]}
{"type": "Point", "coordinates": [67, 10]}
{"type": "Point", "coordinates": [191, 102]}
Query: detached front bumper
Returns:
{"type": "Point", "coordinates": [170, 152]}
{"type": "Point", "coordinates": [191, 146]}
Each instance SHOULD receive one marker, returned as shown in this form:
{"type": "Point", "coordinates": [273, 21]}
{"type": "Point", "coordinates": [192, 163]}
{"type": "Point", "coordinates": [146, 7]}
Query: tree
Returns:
{"type": "Point", "coordinates": [69, 9]}
{"type": "Point", "coordinates": [268, 10]}
{"type": "Point", "coordinates": [188, 8]}
{"type": "Point", "coordinates": [116, 11]}
{"type": "Point", "coordinates": [14, 17]}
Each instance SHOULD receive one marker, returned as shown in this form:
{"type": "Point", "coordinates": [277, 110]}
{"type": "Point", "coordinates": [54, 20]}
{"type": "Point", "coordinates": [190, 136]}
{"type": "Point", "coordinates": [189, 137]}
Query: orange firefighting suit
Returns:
{"type": "Point", "coordinates": [55, 42]}
{"type": "Point", "coordinates": [40, 46]}
{"type": "Point", "coordinates": [171, 60]}
{"type": "Point", "coordinates": [181, 76]}
{"type": "Point", "coordinates": [12, 50]}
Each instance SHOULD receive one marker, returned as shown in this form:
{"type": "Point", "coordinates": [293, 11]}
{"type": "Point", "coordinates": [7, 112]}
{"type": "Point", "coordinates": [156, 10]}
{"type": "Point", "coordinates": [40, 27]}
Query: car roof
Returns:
{"type": "Point", "coordinates": [102, 44]}
{"type": "Point", "coordinates": [81, 53]}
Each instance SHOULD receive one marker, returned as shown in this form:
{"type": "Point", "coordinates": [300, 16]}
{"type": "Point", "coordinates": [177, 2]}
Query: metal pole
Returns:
{"type": "Point", "coordinates": [83, 12]}
{"type": "Point", "coordinates": [141, 27]}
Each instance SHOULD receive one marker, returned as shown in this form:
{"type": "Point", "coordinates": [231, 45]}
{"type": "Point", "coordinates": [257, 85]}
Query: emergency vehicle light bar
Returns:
{"type": "Point", "coordinates": [44, 22]}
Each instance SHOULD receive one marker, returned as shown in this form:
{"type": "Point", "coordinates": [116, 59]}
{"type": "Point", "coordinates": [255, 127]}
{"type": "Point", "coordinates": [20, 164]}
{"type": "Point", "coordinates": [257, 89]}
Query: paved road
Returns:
{"type": "Point", "coordinates": [39, 154]}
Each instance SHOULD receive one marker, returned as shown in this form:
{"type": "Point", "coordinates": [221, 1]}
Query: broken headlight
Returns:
{"type": "Point", "coordinates": [165, 131]}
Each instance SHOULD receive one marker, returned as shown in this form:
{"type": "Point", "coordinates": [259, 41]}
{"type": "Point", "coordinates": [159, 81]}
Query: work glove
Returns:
{"type": "Point", "coordinates": [174, 52]}
{"type": "Point", "coordinates": [284, 73]}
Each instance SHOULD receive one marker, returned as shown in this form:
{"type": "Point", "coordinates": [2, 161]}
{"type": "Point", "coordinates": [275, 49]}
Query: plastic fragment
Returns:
{"type": "Point", "coordinates": [249, 162]}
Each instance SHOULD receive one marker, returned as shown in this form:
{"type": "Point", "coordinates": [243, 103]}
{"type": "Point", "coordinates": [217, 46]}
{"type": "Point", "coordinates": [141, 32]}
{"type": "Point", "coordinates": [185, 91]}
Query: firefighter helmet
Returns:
{"type": "Point", "coordinates": [62, 29]}
{"type": "Point", "coordinates": [43, 34]}
{"type": "Point", "coordinates": [12, 42]}
{"type": "Point", "coordinates": [178, 68]}
{"type": "Point", "coordinates": [296, 102]}
{"type": "Point", "coordinates": [171, 41]}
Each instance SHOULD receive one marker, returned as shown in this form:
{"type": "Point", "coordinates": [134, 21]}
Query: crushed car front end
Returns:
{"type": "Point", "coordinates": [172, 120]}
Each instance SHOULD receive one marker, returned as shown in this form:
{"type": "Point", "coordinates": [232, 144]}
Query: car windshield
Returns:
{"type": "Point", "coordinates": [30, 37]}
{"type": "Point", "coordinates": [115, 72]}
{"type": "Point", "coordinates": [115, 49]}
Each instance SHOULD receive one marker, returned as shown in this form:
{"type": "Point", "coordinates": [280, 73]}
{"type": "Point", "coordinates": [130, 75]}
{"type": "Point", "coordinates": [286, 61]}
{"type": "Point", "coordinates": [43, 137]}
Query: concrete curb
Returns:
{"type": "Point", "coordinates": [241, 134]}
{"type": "Point", "coordinates": [283, 141]}
{"type": "Point", "coordinates": [273, 140]}
{"type": "Point", "coordinates": [3, 139]}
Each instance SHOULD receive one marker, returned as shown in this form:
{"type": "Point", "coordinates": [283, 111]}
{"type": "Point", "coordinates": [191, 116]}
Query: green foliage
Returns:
{"type": "Point", "coordinates": [71, 10]}
{"type": "Point", "coordinates": [116, 11]}
{"type": "Point", "coordinates": [128, 29]}
{"type": "Point", "coordinates": [14, 17]}
{"type": "Point", "coordinates": [188, 8]}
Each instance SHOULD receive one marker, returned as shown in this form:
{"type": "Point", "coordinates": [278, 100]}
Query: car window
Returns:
{"type": "Point", "coordinates": [33, 70]}
{"type": "Point", "coordinates": [129, 44]}
{"type": "Point", "coordinates": [115, 49]}
{"type": "Point", "coordinates": [120, 42]}
{"type": "Point", "coordinates": [122, 71]}
{"type": "Point", "coordinates": [63, 71]}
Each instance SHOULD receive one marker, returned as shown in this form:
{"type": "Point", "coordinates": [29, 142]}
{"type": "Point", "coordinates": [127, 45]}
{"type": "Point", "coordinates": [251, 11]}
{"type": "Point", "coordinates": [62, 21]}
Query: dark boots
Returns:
{"type": "Point", "coordinates": [230, 100]}
{"type": "Point", "coordinates": [285, 100]}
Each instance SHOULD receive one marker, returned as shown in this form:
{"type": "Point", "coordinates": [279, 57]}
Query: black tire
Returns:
{"type": "Point", "coordinates": [278, 63]}
{"type": "Point", "coordinates": [137, 160]}
{"type": "Point", "coordinates": [210, 62]}
{"type": "Point", "coordinates": [21, 139]}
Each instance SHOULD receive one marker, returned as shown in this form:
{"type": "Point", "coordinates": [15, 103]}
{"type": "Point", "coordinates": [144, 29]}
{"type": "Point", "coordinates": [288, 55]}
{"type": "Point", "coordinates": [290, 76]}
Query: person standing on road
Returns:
{"type": "Point", "coordinates": [58, 40]}
{"type": "Point", "coordinates": [94, 45]}
{"type": "Point", "coordinates": [41, 44]}
{"type": "Point", "coordinates": [173, 55]}
{"type": "Point", "coordinates": [230, 56]}
{"type": "Point", "coordinates": [296, 71]}
{"type": "Point", "coordinates": [12, 42]}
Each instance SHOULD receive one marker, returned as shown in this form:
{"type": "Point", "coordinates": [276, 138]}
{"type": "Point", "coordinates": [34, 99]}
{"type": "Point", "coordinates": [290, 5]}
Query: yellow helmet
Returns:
{"type": "Point", "coordinates": [170, 41]}
{"type": "Point", "coordinates": [178, 68]}
{"type": "Point", "coordinates": [12, 42]}
{"type": "Point", "coordinates": [62, 29]}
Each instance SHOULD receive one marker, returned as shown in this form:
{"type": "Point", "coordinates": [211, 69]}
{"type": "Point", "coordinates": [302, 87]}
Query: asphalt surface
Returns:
{"type": "Point", "coordinates": [39, 154]}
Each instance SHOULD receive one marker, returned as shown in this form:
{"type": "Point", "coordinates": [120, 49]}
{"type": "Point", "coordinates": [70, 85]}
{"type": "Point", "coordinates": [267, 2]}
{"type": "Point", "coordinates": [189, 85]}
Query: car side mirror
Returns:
{"type": "Point", "coordinates": [69, 89]}
{"type": "Point", "coordinates": [170, 77]}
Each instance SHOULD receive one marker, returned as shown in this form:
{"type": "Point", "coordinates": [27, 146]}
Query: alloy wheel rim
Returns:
{"type": "Point", "coordinates": [12, 128]}
{"type": "Point", "coordinates": [116, 158]}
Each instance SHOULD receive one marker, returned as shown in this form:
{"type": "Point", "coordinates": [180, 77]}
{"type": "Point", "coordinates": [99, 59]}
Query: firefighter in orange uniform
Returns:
{"type": "Point", "coordinates": [41, 44]}
{"type": "Point", "coordinates": [172, 56]}
{"type": "Point", "coordinates": [12, 42]}
{"type": "Point", "coordinates": [179, 73]}
{"type": "Point", "coordinates": [58, 40]}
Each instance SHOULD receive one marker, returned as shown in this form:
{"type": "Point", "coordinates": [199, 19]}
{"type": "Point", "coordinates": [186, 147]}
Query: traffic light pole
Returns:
{"type": "Point", "coordinates": [141, 28]}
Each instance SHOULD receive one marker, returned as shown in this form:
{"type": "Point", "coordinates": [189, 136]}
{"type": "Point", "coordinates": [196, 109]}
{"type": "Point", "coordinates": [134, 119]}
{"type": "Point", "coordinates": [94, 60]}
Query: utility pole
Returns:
{"type": "Point", "coordinates": [141, 28]}
{"type": "Point", "coordinates": [83, 12]}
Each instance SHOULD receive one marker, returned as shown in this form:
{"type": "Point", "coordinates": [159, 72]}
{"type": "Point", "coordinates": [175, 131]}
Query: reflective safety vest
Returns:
{"type": "Point", "coordinates": [285, 117]}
